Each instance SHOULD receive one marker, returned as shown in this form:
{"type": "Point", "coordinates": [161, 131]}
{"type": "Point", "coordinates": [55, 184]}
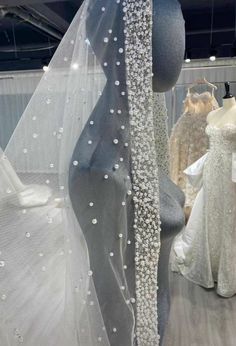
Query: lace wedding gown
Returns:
{"type": "Point", "coordinates": [205, 252]}
{"type": "Point", "coordinates": [188, 141]}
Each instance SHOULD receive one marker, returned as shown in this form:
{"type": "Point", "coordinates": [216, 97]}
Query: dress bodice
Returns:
{"type": "Point", "coordinates": [222, 139]}
{"type": "Point", "coordinates": [200, 104]}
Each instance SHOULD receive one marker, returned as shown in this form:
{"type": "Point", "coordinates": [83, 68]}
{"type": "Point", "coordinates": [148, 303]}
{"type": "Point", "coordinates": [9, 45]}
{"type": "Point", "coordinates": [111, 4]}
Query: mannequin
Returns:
{"type": "Point", "coordinates": [226, 114]}
{"type": "Point", "coordinates": [95, 180]}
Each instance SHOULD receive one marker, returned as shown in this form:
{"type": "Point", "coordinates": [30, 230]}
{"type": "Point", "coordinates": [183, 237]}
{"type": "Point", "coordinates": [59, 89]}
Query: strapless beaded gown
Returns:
{"type": "Point", "coordinates": [188, 140]}
{"type": "Point", "coordinates": [205, 252]}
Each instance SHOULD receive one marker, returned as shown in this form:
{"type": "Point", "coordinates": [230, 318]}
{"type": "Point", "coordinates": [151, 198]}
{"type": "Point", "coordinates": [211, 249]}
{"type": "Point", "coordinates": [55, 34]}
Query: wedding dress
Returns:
{"type": "Point", "coordinates": [48, 288]}
{"type": "Point", "coordinates": [205, 252]}
{"type": "Point", "coordinates": [161, 131]}
{"type": "Point", "coordinates": [188, 141]}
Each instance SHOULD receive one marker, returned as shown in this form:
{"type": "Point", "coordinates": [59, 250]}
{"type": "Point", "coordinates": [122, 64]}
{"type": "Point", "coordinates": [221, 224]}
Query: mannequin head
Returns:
{"type": "Point", "coordinates": [168, 39]}
{"type": "Point", "coordinates": [168, 43]}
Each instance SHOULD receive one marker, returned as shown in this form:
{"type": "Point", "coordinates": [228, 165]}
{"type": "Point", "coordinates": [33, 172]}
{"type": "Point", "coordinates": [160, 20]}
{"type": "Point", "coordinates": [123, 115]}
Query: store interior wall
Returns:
{"type": "Point", "coordinates": [16, 89]}
{"type": "Point", "coordinates": [219, 72]}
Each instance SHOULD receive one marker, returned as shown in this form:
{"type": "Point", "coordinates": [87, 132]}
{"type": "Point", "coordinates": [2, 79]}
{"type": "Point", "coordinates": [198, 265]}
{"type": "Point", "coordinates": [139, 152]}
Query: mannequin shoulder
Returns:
{"type": "Point", "coordinates": [213, 115]}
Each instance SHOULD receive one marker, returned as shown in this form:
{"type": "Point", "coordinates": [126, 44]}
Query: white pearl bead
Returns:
{"type": "Point", "coordinates": [116, 166]}
{"type": "Point", "coordinates": [103, 9]}
{"type": "Point", "coordinates": [114, 330]}
{"type": "Point", "coordinates": [122, 127]}
{"type": "Point", "coordinates": [111, 111]}
{"type": "Point", "coordinates": [117, 82]}
{"type": "Point", "coordinates": [123, 203]}
{"type": "Point", "coordinates": [121, 159]}
{"type": "Point", "coordinates": [94, 221]}
{"type": "Point", "coordinates": [105, 64]}
{"type": "Point", "coordinates": [75, 163]}
{"type": "Point", "coordinates": [121, 50]}
{"type": "Point", "coordinates": [115, 39]}
{"type": "Point", "coordinates": [27, 234]}
{"type": "Point", "coordinates": [126, 145]}
{"type": "Point", "coordinates": [129, 242]}
{"type": "Point", "coordinates": [106, 176]}
{"type": "Point", "coordinates": [90, 142]}
{"type": "Point", "coordinates": [118, 63]}
{"type": "Point", "coordinates": [105, 39]}
{"type": "Point", "coordinates": [129, 192]}
{"type": "Point", "coordinates": [119, 111]}
{"type": "Point", "coordinates": [125, 267]}
{"type": "Point", "coordinates": [90, 273]}
{"type": "Point", "coordinates": [91, 204]}
{"type": "Point", "coordinates": [120, 235]}
{"type": "Point", "coordinates": [115, 141]}
{"type": "Point", "coordinates": [91, 122]}
{"type": "Point", "coordinates": [111, 254]}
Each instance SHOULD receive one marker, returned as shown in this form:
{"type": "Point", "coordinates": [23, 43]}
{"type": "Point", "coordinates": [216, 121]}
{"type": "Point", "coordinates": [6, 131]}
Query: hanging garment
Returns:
{"type": "Point", "coordinates": [188, 141]}
{"type": "Point", "coordinates": [66, 277]}
{"type": "Point", "coordinates": [205, 252]}
{"type": "Point", "coordinates": [161, 131]}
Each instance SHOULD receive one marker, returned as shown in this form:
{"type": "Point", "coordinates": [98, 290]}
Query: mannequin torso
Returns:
{"type": "Point", "coordinates": [224, 115]}
{"type": "Point", "coordinates": [95, 179]}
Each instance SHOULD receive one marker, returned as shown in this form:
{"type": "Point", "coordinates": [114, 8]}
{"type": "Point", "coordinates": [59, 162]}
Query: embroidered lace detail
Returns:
{"type": "Point", "coordinates": [138, 44]}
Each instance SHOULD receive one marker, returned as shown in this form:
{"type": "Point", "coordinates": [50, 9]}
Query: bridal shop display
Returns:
{"type": "Point", "coordinates": [117, 175]}
{"type": "Point", "coordinates": [205, 251]}
{"type": "Point", "coordinates": [188, 140]}
{"type": "Point", "coordinates": [84, 204]}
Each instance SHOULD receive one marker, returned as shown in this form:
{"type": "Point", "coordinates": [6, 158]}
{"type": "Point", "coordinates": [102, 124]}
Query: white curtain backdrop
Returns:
{"type": "Point", "coordinates": [218, 72]}
{"type": "Point", "coordinates": [15, 92]}
{"type": "Point", "coordinates": [16, 89]}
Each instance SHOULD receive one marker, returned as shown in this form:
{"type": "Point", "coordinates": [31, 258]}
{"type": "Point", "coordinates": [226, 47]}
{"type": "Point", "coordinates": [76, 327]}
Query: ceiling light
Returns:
{"type": "Point", "coordinates": [45, 68]}
{"type": "Point", "coordinates": [187, 57]}
{"type": "Point", "coordinates": [213, 54]}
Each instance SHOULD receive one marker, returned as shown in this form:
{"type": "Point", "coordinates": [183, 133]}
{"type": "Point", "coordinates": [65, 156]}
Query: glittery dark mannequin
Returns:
{"type": "Point", "coordinates": [87, 183]}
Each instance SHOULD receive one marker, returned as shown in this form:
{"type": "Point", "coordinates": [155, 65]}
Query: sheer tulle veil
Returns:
{"type": "Point", "coordinates": [47, 293]}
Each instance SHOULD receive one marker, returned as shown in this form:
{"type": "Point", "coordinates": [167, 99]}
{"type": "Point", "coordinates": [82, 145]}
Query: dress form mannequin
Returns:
{"type": "Point", "coordinates": [226, 114]}
{"type": "Point", "coordinates": [94, 180]}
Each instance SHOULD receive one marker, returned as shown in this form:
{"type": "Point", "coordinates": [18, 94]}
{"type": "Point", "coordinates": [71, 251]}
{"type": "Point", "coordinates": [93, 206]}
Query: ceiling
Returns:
{"type": "Point", "coordinates": [30, 30]}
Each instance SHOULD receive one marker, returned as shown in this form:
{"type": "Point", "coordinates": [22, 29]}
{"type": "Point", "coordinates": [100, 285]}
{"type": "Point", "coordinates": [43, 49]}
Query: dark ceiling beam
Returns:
{"type": "Point", "coordinates": [18, 12]}
{"type": "Point", "coordinates": [24, 2]}
{"type": "Point", "coordinates": [50, 16]}
{"type": "Point", "coordinates": [214, 31]}
{"type": "Point", "coordinates": [27, 48]}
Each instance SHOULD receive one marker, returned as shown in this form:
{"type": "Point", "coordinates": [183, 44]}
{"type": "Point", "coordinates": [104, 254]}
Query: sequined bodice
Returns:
{"type": "Point", "coordinates": [222, 139]}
